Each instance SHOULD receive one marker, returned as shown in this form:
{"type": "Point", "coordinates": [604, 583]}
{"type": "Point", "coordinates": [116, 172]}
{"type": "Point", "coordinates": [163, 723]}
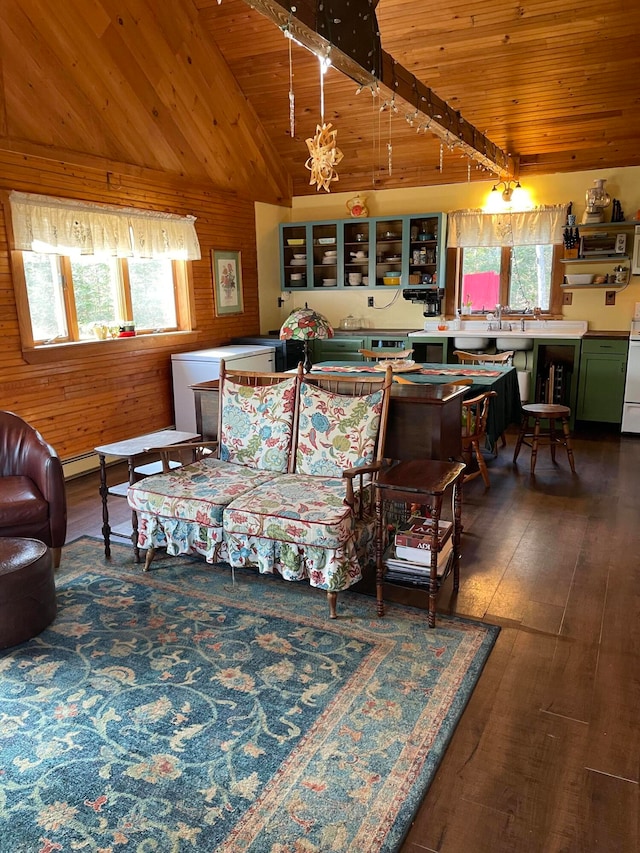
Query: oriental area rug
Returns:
{"type": "Point", "coordinates": [182, 710]}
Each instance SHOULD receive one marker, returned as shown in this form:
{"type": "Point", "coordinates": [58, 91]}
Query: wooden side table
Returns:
{"type": "Point", "coordinates": [424, 482]}
{"type": "Point", "coordinates": [130, 449]}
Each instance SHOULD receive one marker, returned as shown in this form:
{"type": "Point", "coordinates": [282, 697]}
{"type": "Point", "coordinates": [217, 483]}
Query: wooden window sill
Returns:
{"type": "Point", "coordinates": [49, 353]}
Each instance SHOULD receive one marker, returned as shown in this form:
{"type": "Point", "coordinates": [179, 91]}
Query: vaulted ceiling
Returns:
{"type": "Point", "coordinates": [555, 85]}
{"type": "Point", "coordinates": [200, 89]}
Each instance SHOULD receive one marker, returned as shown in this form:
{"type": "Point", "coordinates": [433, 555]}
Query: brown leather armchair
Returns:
{"type": "Point", "coordinates": [33, 501]}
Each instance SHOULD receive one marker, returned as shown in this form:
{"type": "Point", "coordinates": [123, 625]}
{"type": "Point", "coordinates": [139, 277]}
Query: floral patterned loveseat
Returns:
{"type": "Point", "coordinates": [286, 487]}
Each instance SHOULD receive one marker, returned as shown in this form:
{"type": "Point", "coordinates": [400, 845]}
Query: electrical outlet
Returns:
{"type": "Point", "coordinates": [610, 297]}
{"type": "Point", "coordinates": [567, 297]}
{"type": "Point", "coordinates": [370, 302]}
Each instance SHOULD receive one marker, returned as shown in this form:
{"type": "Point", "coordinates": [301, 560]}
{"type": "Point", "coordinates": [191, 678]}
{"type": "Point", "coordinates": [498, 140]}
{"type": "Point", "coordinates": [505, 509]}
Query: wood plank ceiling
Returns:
{"type": "Point", "coordinates": [554, 85]}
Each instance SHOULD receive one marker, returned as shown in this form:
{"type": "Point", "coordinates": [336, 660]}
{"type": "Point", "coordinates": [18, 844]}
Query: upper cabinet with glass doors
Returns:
{"type": "Point", "coordinates": [377, 252]}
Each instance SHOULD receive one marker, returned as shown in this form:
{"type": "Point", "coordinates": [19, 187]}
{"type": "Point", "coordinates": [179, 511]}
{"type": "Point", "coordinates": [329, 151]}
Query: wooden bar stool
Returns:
{"type": "Point", "coordinates": [539, 412]}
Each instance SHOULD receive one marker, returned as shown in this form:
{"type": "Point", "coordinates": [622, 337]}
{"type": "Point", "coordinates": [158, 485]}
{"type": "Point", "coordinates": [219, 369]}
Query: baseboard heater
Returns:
{"type": "Point", "coordinates": [84, 463]}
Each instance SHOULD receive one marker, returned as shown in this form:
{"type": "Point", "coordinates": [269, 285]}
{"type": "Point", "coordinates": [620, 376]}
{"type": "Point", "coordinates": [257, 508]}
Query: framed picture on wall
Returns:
{"type": "Point", "coordinates": [227, 282]}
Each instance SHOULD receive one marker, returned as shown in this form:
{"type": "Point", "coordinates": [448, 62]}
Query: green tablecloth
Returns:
{"type": "Point", "coordinates": [505, 409]}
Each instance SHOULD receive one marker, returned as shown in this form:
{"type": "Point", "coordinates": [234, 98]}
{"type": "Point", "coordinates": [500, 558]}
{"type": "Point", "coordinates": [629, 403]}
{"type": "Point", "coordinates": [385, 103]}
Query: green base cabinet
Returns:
{"type": "Point", "coordinates": [387, 343]}
{"type": "Point", "coordinates": [603, 367]}
{"type": "Point", "coordinates": [338, 349]}
{"type": "Point", "coordinates": [554, 376]}
{"type": "Point", "coordinates": [428, 349]}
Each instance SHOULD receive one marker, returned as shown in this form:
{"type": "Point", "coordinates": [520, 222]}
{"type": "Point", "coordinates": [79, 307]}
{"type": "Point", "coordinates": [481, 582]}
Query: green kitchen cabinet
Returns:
{"type": "Point", "coordinates": [387, 343]}
{"type": "Point", "coordinates": [554, 376]}
{"type": "Point", "coordinates": [338, 349]}
{"type": "Point", "coordinates": [429, 349]}
{"type": "Point", "coordinates": [382, 252]}
{"type": "Point", "coordinates": [603, 367]}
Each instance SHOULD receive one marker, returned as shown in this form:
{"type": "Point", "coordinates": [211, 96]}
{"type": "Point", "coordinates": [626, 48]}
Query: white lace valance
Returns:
{"type": "Point", "coordinates": [541, 226]}
{"type": "Point", "coordinates": [67, 227]}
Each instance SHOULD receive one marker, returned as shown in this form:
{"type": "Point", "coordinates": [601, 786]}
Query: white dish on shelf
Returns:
{"type": "Point", "coordinates": [329, 282]}
{"type": "Point", "coordinates": [328, 261]}
{"type": "Point", "coordinates": [582, 278]}
{"type": "Point", "coordinates": [326, 241]}
{"type": "Point", "coordinates": [300, 257]}
{"type": "Point", "coordinates": [297, 262]}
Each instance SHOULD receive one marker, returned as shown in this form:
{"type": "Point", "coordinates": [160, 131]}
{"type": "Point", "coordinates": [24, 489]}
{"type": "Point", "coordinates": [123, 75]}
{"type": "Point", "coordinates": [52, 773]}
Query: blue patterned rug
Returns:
{"type": "Point", "coordinates": [176, 711]}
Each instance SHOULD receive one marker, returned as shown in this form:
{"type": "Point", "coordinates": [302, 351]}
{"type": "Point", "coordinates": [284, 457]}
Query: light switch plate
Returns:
{"type": "Point", "coordinates": [567, 297]}
{"type": "Point", "coordinates": [610, 297]}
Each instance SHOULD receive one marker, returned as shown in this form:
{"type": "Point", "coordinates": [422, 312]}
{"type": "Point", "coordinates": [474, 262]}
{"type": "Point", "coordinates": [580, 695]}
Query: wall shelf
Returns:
{"type": "Point", "coordinates": [595, 260]}
{"type": "Point", "coordinates": [594, 286]}
{"type": "Point", "coordinates": [608, 226]}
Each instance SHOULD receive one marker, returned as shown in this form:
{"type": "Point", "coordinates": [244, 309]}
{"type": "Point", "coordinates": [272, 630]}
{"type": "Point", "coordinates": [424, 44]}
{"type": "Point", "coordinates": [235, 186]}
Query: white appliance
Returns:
{"type": "Point", "coordinates": [190, 368]}
{"type": "Point", "coordinates": [631, 406]}
{"type": "Point", "coordinates": [635, 260]}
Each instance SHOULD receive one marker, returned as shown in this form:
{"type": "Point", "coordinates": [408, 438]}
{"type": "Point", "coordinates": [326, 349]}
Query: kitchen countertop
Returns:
{"type": "Point", "coordinates": [545, 331]}
{"type": "Point", "coordinates": [388, 333]}
{"type": "Point", "coordinates": [603, 334]}
{"type": "Point", "coordinates": [532, 329]}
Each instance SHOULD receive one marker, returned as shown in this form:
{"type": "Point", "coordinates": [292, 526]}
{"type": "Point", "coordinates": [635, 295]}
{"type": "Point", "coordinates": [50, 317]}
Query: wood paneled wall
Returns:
{"type": "Point", "coordinates": [78, 403]}
{"type": "Point", "coordinates": [131, 82]}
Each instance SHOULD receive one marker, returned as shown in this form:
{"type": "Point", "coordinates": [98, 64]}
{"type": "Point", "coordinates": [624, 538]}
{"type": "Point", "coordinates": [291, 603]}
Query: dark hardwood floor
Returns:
{"type": "Point", "coordinates": [547, 754]}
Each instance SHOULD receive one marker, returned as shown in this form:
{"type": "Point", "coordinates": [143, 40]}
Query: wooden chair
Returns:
{"type": "Point", "coordinates": [505, 357]}
{"type": "Point", "coordinates": [549, 413]}
{"type": "Point", "coordinates": [385, 355]}
{"type": "Point", "coordinates": [474, 433]}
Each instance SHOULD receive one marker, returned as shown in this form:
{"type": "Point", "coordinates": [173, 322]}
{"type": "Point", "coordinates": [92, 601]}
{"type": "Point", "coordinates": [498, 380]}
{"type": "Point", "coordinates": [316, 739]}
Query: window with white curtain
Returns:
{"type": "Point", "coordinates": [506, 258]}
{"type": "Point", "coordinates": [91, 270]}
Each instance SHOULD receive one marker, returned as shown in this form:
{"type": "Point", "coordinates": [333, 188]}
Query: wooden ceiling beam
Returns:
{"type": "Point", "coordinates": [430, 113]}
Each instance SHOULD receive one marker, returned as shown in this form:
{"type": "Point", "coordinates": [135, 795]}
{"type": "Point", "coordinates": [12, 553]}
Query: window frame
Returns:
{"type": "Point", "coordinates": [455, 264]}
{"type": "Point", "coordinates": [41, 353]}
{"type": "Point", "coordinates": [32, 353]}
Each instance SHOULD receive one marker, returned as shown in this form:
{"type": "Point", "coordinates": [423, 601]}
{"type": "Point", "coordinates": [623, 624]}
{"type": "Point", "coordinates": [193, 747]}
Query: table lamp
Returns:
{"type": "Point", "coordinates": [305, 324]}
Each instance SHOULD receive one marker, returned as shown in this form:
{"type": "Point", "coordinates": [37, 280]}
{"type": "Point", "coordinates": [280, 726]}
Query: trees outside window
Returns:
{"type": "Point", "coordinates": [519, 276]}
{"type": "Point", "coordinates": [69, 296]}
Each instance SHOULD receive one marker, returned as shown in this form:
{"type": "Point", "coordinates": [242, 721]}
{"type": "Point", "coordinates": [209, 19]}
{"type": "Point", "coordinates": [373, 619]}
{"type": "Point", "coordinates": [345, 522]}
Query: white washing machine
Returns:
{"type": "Point", "coordinates": [190, 368]}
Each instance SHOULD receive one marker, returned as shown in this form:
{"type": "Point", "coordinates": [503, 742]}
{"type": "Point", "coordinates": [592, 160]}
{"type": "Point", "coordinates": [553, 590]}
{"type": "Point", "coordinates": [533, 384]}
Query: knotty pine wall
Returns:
{"type": "Point", "coordinates": [79, 403]}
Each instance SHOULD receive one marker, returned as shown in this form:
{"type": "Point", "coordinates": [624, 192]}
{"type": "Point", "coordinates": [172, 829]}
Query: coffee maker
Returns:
{"type": "Point", "coordinates": [431, 298]}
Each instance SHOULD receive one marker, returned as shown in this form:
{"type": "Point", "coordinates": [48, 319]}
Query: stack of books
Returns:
{"type": "Point", "coordinates": [408, 558]}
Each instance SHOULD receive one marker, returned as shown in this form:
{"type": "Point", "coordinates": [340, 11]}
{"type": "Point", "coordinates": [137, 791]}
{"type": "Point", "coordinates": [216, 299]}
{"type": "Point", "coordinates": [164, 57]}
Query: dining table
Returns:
{"type": "Point", "coordinates": [505, 408]}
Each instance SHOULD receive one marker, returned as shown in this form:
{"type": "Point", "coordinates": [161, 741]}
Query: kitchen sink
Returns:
{"type": "Point", "coordinates": [471, 343]}
{"type": "Point", "coordinates": [514, 342]}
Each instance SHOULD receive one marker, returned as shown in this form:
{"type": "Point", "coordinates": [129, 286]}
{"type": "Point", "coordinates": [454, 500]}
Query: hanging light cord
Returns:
{"type": "Point", "coordinates": [324, 64]}
{"type": "Point", "coordinates": [292, 102]}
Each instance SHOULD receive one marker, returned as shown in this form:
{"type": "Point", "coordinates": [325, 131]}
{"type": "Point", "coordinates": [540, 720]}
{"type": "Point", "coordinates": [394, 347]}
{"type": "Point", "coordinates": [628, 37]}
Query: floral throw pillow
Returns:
{"type": "Point", "coordinates": [336, 431]}
{"type": "Point", "coordinates": [257, 424]}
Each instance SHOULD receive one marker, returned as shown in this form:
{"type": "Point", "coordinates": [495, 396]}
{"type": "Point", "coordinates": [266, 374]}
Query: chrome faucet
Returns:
{"type": "Point", "coordinates": [522, 324]}
{"type": "Point", "coordinates": [499, 316]}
